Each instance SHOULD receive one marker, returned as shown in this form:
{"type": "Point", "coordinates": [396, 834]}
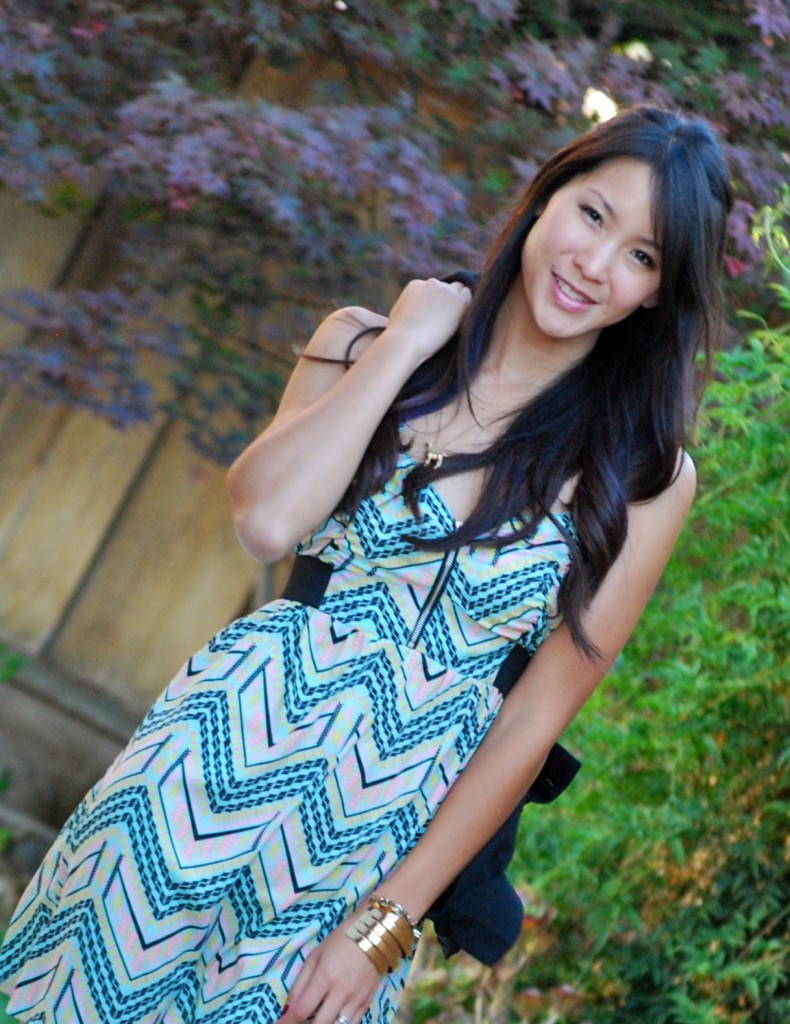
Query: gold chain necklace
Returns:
{"type": "Point", "coordinates": [435, 456]}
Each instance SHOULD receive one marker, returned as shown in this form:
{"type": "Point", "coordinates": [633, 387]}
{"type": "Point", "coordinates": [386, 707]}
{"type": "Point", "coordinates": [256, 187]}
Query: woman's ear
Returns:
{"type": "Point", "coordinates": [652, 302]}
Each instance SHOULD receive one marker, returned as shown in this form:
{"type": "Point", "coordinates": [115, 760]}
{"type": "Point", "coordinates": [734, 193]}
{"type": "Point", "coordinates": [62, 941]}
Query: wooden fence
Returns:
{"type": "Point", "coordinates": [117, 559]}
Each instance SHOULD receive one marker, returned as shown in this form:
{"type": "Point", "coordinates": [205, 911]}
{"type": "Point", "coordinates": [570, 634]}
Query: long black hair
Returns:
{"type": "Point", "coordinates": [617, 418]}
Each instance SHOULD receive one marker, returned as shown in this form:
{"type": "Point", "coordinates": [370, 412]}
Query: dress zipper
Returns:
{"type": "Point", "coordinates": [436, 591]}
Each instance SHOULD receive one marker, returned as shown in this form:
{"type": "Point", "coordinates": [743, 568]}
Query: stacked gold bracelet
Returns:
{"type": "Point", "coordinates": [385, 933]}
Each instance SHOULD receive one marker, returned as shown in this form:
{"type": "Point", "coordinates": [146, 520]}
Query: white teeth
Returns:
{"type": "Point", "coordinates": [566, 289]}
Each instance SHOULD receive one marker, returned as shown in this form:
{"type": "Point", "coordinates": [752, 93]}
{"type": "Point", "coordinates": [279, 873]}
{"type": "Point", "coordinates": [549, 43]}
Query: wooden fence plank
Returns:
{"type": "Point", "coordinates": [27, 432]}
{"type": "Point", "coordinates": [33, 250]}
{"type": "Point", "coordinates": [172, 575]}
{"type": "Point", "coordinates": [62, 520]}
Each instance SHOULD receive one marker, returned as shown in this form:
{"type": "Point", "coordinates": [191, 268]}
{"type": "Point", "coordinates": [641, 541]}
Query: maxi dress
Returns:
{"type": "Point", "coordinates": [283, 773]}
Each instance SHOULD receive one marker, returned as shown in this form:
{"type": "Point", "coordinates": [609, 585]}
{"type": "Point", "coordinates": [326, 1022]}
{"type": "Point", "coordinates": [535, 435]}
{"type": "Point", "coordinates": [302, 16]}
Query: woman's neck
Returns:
{"type": "Point", "coordinates": [520, 357]}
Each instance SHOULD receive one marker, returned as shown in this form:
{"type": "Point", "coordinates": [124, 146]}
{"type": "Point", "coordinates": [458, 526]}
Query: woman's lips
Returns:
{"type": "Point", "coordinates": [568, 297]}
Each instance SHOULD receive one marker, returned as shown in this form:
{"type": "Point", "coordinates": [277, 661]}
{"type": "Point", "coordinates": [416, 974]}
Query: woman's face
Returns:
{"type": "Point", "coordinates": [591, 257]}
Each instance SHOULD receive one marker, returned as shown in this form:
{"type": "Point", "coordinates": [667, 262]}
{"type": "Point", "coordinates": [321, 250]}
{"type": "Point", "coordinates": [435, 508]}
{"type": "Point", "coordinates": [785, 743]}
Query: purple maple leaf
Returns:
{"type": "Point", "coordinates": [771, 18]}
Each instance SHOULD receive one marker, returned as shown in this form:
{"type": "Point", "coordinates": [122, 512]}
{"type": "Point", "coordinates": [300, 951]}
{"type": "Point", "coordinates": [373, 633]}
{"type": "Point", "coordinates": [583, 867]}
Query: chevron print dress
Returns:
{"type": "Point", "coordinates": [281, 775]}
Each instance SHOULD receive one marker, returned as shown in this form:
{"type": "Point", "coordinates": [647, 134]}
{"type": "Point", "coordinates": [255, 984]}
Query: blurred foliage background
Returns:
{"type": "Point", "coordinates": [256, 163]}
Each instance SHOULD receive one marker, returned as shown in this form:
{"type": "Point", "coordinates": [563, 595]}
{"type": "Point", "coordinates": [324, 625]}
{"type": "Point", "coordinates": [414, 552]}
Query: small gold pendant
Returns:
{"type": "Point", "coordinates": [433, 457]}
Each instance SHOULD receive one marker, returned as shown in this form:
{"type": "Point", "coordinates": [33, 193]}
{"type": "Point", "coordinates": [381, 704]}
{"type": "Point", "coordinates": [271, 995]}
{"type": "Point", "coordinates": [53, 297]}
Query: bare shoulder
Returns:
{"type": "Point", "coordinates": [654, 525]}
{"type": "Point", "coordinates": [332, 337]}
{"type": "Point", "coordinates": [686, 477]}
{"type": "Point", "coordinates": [653, 530]}
{"type": "Point", "coordinates": [680, 492]}
{"type": "Point", "coordinates": [677, 498]}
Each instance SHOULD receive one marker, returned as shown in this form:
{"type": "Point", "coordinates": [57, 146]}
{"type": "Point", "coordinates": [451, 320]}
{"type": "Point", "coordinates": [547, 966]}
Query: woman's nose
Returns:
{"type": "Point", "coordinates": [594, 262]}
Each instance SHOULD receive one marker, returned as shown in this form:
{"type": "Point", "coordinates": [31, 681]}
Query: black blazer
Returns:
{"type": "Point", "coordinates": [480, 911]}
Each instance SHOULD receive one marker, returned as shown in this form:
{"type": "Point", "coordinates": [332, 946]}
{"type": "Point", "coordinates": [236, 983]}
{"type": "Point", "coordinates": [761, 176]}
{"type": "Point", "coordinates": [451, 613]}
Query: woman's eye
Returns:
{"type": "Point", "coordinates": [592, 214]}
{"type": "Point", "coordinates": [644, 258]}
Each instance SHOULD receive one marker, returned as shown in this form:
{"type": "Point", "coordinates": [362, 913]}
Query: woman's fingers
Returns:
{"type": "Point", "coordinates": [324, 1004]}
{"type": "Point", "coordinates": [300, 1006]}
{"type": "Point", "coordinates": [427, 313]}
{"type": "Point", "coordinates": [337, 979]}
{"type": "Point", "coordinates": [332, 1009]}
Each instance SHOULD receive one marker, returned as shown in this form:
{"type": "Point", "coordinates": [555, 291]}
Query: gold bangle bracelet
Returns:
{"type": "Point", "coordinates": [395, 928]}
{"type": "Point", "coordinates": [390, 961]}
{"type": "Point", "coordinates": [369, 946]}
{"type": "Point", "coordinates": [400, 930]}
{"type": "Point", "coordinates": [364, 932]}
{"type": "Point", "coordinates": [388, 946]}
{"type": "Point", "coordinates": [385, 933]}
{"type": "Point", "coordinates": [398, 927]}
{"type": "Point", "coordinates": [407, 935]}
{"type": "Point", "coordinates": [374, 955]}
{"type": "Point", "coordinates": [398, 909]}
{"type": "Point", "coordinates": [397, 924]}
{"type": "Point", "coordinates": [387, 942]}
{"type": "Point", "coordinates": [362, 927]}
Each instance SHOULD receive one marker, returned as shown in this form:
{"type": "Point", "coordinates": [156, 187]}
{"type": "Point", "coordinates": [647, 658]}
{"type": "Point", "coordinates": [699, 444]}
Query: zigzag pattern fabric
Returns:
{"type": "Point", "coordinates": [278, 779]}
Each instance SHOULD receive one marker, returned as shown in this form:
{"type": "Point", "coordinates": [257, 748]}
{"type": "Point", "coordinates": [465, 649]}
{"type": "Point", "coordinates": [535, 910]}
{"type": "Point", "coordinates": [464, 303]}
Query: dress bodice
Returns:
{"type": "Point", "coordinates": [463, 608]}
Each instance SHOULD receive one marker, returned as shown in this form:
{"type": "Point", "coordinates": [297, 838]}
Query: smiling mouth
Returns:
{"type": "Point", "coordinates": [572, 293]}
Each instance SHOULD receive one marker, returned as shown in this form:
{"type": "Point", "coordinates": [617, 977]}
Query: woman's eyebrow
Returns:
{"type": "Point", "coordinates": [612, 213]}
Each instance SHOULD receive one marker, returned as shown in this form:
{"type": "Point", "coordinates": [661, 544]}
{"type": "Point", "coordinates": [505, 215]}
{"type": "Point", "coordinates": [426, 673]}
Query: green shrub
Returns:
{"type": "Point", "coordinates": [668, 864]}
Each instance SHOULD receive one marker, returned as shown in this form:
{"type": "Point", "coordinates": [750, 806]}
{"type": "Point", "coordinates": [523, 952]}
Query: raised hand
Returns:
{"type": "Point", "coordinates": [427, 313]}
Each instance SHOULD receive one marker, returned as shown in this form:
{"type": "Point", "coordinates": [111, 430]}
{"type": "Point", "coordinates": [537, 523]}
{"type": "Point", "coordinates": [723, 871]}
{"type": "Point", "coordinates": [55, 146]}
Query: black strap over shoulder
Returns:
{"type": "Point", "coordinates": [307, 581]}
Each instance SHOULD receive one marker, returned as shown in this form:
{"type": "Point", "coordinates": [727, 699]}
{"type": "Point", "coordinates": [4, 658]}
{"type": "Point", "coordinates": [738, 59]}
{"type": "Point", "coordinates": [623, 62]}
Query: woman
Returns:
{"type": "Point", "coordinates": [473, 477]}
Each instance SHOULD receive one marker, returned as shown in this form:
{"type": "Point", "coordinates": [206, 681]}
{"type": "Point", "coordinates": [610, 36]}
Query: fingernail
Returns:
{"type": "Point", "coordinates": [285, 1009]}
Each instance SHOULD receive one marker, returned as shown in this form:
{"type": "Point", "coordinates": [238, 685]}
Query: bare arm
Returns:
{"type": "Point", "coordinates": [545, 700]}
{"type": "Point", "coordinates": [294, 474]}
{"type": "Point", "coordinates": [551, 691]}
